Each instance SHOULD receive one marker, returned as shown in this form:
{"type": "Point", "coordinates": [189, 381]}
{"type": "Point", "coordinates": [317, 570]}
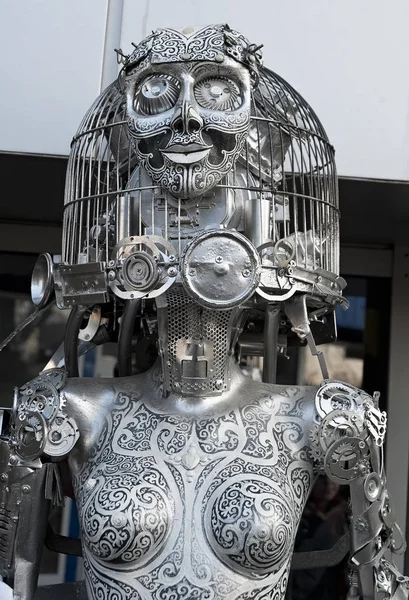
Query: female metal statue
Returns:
{"type": "Point", "coordinates": [201, 203]}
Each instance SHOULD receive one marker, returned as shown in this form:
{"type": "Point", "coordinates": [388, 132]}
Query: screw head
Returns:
{"type": "Point", "coordinates": [219, 259]}
{"type": "Point", "coordinates": [246, 273]}
{"type": "Point", "coordinates": [111, 275]}
{"type": "Point", "coordinates": [13, 460]}
{"type": "Point", "coordinates": [172, 272]}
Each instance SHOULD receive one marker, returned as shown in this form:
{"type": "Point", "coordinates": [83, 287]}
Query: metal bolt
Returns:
{"type": "Point", "coordinates": [219, 384]}
{"type": "Point", "coordinates": [111, 263]}
{"type": "Point", "coordinates": [111, 275]}
{"type": "Point", "coordinates": [246, 273]}
{"type": "Point", "coordinates": [26, 489]}
{"type": "Point", "coordinates": [172, 272]}
{"type": "Point", "coordinates": [219, 259]}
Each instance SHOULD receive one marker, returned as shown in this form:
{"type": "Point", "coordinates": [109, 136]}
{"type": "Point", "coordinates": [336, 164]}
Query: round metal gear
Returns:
{"type": "Point", "coordinates": [31, 434]}
{"type": "Point", "coordinates": [339, 424]}
{"type": "Point", "coordinates": [40, 398]}
{"type": "Point", "coordinates": [337, 395]}
{"type": "Point", "coordinates": [62, 436]}
{"type": "Point", "coordinates": [56, 377]}
{"type": "Point", "coordinates": [344, 459]}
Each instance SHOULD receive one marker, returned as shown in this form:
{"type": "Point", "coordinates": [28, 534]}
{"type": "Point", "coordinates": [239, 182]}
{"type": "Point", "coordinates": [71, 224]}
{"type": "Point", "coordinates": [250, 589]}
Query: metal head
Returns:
{"type": "Point", "coordinates": [197, 136]}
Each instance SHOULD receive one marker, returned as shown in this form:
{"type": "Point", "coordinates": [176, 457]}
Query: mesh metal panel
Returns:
{"type": "Point", "coordinates": [186, 320]}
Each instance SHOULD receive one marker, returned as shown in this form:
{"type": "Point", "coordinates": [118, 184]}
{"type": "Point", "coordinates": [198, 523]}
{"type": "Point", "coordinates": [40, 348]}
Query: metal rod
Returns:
{"type": "Point", "coordinates": [271, 326]}
{"type": "Point", "coordinates": [125, 337]}
{"type": "Point", "coordinates": [71, 339]}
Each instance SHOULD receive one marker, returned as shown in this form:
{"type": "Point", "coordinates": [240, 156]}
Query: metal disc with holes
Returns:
{"type": "Point", "coordinates": [338, 424]}
{"type": "Point", "coordinates": [31, 433]}
{"type": "Point", "coordinates": [344, 459]}
{"type": "Point", "coordinates": [62, 436]}
{"type": "Point", "coordinates": [337, 395]}
{"type": "Point", "coordinates": [220, 269]}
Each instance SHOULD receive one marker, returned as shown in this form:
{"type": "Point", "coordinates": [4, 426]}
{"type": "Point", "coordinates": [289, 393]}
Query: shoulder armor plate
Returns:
{"type": "Point", "coordinates": [41, 425]}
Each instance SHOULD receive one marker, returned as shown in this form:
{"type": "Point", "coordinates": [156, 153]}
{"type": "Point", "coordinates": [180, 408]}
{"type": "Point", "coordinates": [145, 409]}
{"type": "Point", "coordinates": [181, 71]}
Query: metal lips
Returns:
{"type": "Point", "coordinates": [220, 269]}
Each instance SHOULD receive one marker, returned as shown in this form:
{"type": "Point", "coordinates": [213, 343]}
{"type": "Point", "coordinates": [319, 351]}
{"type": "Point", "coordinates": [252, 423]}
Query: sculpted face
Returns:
{"type": "Point", "coordinates": [188, 121]}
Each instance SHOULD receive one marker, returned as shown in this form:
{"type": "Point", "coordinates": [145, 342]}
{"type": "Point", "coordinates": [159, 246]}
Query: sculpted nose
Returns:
{"type": "Point", "coordinates": [186, 119]}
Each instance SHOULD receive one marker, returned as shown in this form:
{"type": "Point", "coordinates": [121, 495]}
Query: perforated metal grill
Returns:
{"type": "Point", "coordinates": [186, 321]}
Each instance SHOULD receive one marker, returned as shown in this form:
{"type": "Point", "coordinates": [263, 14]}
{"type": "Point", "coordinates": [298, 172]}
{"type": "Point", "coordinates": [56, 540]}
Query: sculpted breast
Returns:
{"type": "Point", "coordinates": [126, 516]}
{"type": "Point", "coordinates": [250, 525]}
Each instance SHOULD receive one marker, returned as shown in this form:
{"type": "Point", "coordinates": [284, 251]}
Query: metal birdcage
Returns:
{"type": "Point", "coordinates": [281, 194]}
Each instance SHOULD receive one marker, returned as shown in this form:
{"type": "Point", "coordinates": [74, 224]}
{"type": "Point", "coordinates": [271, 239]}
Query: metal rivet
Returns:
{"type": "Point", "coordinates": [26, 489]}
{"type": "Point", "coordinates": [13, 460]}
{"type": "Point", "coordinates": [188, 30]}
{"type": "Point", "coordinates": [186, 56]}
{"type": "Point", "coordinates": [219, 58]}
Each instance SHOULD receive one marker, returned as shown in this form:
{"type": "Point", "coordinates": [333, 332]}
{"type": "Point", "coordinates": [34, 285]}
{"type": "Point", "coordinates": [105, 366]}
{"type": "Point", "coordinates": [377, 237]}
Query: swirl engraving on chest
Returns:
{"type": "Point", "coordinates": [172, 506]}
{"type": "Point", "coordinates": [249, 525]}
{"type": "Point", "coordinates": [126, 516]}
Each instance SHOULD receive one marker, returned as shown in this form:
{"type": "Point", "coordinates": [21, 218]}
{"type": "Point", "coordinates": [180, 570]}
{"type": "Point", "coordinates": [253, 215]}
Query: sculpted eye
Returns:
{"type": "Point", "coordinates": [218, 93]}
{"type": "Point", "coordinates": [156, 94]}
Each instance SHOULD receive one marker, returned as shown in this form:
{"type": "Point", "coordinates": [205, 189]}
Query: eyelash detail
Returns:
{"type": "Point", "coordinates": [156, 94]}
{"type": "Point", "coordinates": [218, 93]}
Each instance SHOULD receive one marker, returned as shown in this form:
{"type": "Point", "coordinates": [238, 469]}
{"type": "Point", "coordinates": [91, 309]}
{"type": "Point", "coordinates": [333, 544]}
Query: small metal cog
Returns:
{"type": "Point", "coordinates": [339, 424]}
{"type": "Point", "coordinates": [344, 458]}
{"type": "Point", "coordinates": [337, 395]}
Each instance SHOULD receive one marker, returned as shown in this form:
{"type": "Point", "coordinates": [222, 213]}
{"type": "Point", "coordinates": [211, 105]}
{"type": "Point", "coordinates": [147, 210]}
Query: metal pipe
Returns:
{"type": "Point", "coordinates": [271, 327]}
{"type": "Point", "coordinates": [71, 339]}
{"type": "Point", "coordinates": [125, 337]}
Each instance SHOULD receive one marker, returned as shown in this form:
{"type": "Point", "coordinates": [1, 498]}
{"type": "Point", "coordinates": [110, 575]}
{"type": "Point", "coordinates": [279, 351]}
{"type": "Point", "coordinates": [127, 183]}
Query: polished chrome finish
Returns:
{"type": "Point", "coordinates": [271, 326]}
{"type": "Point", "coordinates": [175, 147]}
{"type": "Point", "coordinates": [201, 190]}
{"type": "Point", "coordinates": [42, 280]}
{"type": "Point", "coordinates": [220, 269]}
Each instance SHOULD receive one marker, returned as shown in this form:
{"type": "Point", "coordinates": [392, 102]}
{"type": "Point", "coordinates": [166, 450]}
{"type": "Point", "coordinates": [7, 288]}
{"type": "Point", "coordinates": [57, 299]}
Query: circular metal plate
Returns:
{"type": "Point", "coordinates": [220, 269]}
{"type": "Point", "coordinates": [42, 280]}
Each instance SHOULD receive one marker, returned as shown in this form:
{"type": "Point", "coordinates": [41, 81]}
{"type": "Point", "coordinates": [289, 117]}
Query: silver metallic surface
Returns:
{"type": "Point", "coordinates": [42, 280]}
{"type": "Point", "coordinates": [196, 134]}
{"type": "Point", "coordinates": [201, 188]}
{"type": "Point", "coordinates": [220, 269]}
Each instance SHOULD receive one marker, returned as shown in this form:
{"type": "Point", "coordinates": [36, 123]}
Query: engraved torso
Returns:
{"type": "Point", "coordinates": [190, 498]}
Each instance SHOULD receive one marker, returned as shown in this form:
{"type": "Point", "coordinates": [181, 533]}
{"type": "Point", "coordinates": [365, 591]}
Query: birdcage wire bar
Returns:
{"type": "Point", "coordinates": [287, 159]}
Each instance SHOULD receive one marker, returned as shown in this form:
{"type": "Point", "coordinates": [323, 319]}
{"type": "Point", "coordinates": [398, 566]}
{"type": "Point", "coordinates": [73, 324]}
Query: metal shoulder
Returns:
{"type": "Point", "coordinates": [347, 444]}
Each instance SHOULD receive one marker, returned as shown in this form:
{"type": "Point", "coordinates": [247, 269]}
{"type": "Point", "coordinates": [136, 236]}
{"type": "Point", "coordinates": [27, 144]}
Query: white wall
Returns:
{"type": "Point", "coordinates": [50, 70]}
{"type": "Point", "coordinates": [349, 58]}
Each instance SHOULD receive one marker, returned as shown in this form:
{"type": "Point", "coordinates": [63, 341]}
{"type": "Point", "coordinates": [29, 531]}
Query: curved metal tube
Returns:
{"type": "Point", "coordinates": [125, 337]}
{"type": "Point", "coordinates": [71, 340]}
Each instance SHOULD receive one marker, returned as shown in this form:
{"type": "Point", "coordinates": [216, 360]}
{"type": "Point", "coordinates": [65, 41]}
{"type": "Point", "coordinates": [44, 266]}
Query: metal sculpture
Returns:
{"type": "Point", "coordinates": [201, 196]}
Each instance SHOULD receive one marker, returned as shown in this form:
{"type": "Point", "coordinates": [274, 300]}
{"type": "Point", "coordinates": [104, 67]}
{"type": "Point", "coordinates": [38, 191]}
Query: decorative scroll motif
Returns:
{"type": "Point", "coordinates": [175, 506]}
{"type": "Point", "coordinates": [199, 44]}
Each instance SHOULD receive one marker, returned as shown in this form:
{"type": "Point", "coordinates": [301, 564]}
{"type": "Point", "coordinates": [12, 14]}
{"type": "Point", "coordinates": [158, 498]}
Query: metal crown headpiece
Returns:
{"type": "Point", "coordinates": [210, 43]}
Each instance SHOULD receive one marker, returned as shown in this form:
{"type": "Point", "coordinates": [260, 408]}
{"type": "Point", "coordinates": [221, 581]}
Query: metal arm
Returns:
{"type": "Point", "coordinates": [38, 428]}
{"type": "Point", "coordinates": [347, 444]}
